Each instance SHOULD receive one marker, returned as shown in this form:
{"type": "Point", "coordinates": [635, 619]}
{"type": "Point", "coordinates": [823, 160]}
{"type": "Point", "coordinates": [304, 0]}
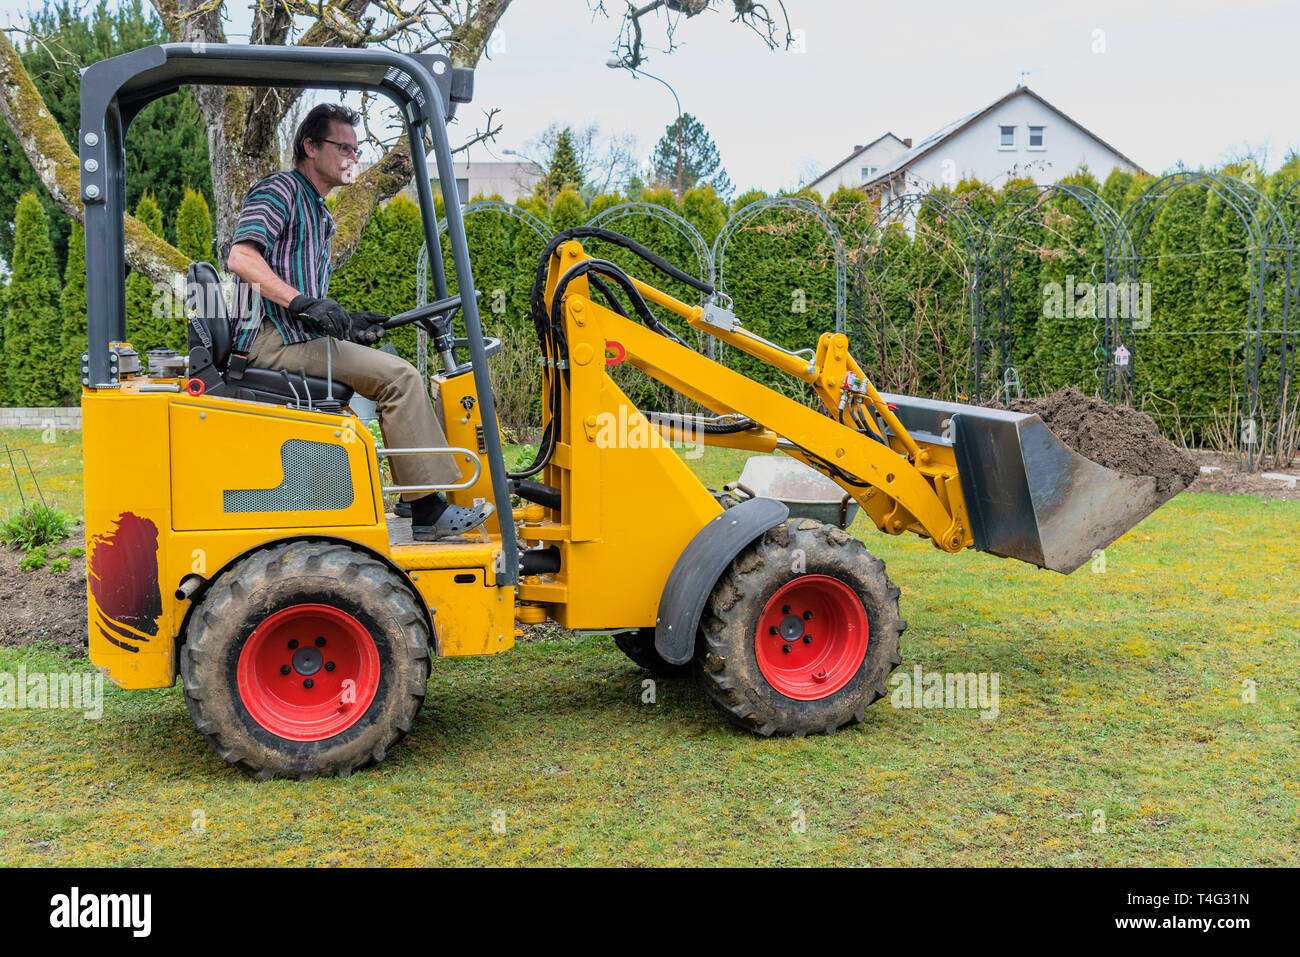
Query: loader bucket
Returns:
{"type": "Point", "coordinates": [1027, 494]}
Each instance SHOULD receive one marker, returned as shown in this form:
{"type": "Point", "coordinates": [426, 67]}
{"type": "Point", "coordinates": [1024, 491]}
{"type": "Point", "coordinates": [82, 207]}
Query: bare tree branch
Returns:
{"type": "Point", "coordinates": [487, 133]}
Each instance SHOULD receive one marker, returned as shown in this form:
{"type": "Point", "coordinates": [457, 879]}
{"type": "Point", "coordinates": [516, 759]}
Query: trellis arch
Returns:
{"type": "Point", "coordinates": [422, 263]}
{"type": "Point", "coordinates": [1267, 233]}
{"type": "Point", "coordinates": [703, 256]}
{"type": "Point", "coordinates": [760, 206]}
{"type": "Point", "coordinates": [900, 211]}
{"type": "Point", "coordinates": [1003, 233]}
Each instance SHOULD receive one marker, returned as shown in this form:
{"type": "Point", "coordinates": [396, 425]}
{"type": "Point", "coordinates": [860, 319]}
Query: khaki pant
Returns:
{"type": "Point", "coordinates": [406, 418]}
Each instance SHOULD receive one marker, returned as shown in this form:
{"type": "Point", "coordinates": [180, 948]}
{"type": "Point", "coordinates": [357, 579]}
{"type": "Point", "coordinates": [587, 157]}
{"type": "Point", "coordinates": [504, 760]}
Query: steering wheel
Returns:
{"type": "Point", "coordinates": [436, 318]}
{"type": "Point", "coordinates": [422, 314]}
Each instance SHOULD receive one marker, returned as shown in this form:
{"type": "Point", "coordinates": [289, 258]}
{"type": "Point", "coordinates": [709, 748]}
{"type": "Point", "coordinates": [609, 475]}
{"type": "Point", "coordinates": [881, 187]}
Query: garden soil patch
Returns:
{"type": "Point", "coordinates": [1116, 437]}
{"type": "Point", "coordinates": [42, 605]}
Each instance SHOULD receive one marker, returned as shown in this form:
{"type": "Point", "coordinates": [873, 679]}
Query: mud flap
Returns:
{"type": "Point", "coordinates": [698, 568]}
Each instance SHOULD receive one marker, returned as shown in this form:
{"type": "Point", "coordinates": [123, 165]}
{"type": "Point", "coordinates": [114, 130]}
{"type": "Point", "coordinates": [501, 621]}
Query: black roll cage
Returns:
{"type": "Point", "coordinates": [424, 87]}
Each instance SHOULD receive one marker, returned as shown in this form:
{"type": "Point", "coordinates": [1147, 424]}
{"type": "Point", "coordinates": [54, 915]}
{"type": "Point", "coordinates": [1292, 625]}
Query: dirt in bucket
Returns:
{"type": "Point", "coordinates": [1116, 437]}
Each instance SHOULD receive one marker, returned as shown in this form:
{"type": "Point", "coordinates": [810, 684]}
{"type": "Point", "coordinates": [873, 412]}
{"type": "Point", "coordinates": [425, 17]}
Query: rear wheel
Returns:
{"type": "Point", "coordinates": [306, 659]}
{"type": "Point", "coordinates": [801, 632]}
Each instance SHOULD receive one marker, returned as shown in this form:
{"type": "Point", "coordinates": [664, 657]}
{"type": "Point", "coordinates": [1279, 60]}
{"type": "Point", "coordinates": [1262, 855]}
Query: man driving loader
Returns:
{"type": "Point", "coordinates": [281, 247]}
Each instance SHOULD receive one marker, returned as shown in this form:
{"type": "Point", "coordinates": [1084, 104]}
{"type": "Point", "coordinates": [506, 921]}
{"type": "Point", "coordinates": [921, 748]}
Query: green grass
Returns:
{"type": "Point", "coordinates": [1120, 691]}
{"type": "Point", "coordinates": [55, 464]}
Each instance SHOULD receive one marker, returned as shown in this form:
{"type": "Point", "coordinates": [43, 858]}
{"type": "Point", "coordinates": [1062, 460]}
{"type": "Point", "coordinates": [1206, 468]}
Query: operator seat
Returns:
{"type": "Point", "coordinates": [209, 329]}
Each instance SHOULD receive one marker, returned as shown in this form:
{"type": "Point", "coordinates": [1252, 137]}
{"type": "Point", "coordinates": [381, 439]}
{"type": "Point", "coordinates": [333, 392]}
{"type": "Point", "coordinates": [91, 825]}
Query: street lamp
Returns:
{"type": "Point", "coordinates": [620, 65]}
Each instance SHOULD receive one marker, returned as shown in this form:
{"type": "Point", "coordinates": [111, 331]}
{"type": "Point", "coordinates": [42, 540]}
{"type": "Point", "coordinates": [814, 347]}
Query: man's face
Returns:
{"type": "Point", "coordinates": [328, 159]}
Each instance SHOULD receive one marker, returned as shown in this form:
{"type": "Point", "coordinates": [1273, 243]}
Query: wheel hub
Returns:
{"type": "Point", "coordinates": [811, 637]}
{"type": "Point", "coordinates": [307, 661]}
{"type": "Point", "coordinates": [308, 672]}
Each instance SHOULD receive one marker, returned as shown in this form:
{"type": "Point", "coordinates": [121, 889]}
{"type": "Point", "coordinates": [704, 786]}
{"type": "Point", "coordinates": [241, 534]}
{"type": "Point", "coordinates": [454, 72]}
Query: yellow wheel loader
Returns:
{"type": "Point", "coordinates": [236, 522]}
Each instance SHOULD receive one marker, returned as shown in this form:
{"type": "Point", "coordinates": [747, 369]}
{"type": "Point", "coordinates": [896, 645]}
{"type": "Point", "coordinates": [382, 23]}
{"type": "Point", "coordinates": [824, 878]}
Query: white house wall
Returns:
{"type": "Point", "coordinates": [974, 152]}
{"type": "Point", "coordinates": [880, 155]}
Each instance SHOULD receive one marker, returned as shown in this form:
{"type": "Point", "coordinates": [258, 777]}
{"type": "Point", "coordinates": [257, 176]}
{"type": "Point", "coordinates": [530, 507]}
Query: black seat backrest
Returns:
{"type": "Point", "coordinates": [209, 319]}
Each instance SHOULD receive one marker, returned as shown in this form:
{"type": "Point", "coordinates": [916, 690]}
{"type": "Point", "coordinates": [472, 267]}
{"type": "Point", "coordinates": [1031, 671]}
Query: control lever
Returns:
{"type": "Point", "coordinates": [329, 370]}
{"type": "Point", "coordinates": [302, 373]}
{"type": "Point", "coordinates": [284, 374]}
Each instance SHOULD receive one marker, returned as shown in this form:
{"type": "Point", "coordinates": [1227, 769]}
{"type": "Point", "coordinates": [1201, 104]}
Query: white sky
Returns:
{"type": "Point", "coordinates": [1194, 80]}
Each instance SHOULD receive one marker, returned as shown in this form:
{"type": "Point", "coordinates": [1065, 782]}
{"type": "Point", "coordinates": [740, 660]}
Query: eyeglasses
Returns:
{"type": "Point", "coordinates": [347, 149]}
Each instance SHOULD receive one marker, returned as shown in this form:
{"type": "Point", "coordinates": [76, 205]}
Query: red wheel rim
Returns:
{"type": "Point", "coordinates": [812, 637]}
{"type": "Point", "coordinates": [332, 676]}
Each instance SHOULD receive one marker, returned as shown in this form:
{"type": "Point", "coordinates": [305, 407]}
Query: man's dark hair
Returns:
{"type": "Point", "coordinates": [316, 126]}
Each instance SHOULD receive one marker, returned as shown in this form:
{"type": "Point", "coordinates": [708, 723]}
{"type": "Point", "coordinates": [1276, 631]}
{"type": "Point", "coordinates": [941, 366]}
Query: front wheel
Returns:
{"type": "Point", "coordinates": [801, 632]}
{"type": "Point", "coordinates": [305, 659]}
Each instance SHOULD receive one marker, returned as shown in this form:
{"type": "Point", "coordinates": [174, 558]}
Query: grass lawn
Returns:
{"type": "Point", "coordinates": [55, 466]}
{"type": "Point", "coordinates": [1124, 701]}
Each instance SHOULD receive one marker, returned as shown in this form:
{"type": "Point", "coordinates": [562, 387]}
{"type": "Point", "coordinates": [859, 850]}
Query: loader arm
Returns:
{"type": "Point", "coordinates": [901, 483]}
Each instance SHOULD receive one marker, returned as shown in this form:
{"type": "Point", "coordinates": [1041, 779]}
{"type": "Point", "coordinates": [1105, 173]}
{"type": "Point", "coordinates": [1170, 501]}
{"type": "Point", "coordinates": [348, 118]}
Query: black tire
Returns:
{"type": "Point", "coordinates": [640, 647]}
{"type": "Point", "coordinates": [271, 581]}
{"type": "Point", "coordinates": [726, 661]}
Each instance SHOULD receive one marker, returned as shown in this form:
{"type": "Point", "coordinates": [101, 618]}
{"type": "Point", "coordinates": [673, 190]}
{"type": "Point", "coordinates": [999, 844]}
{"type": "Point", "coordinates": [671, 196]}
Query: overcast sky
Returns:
{"type": "Point", "coordinates": [1193, 81]}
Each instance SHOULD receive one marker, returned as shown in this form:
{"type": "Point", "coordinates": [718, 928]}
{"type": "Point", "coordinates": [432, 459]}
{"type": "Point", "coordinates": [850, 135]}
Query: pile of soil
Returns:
{"type": "Point", "coordinates": [42, 605]}
{"type": "Point", "coordinates": [1116, 437]}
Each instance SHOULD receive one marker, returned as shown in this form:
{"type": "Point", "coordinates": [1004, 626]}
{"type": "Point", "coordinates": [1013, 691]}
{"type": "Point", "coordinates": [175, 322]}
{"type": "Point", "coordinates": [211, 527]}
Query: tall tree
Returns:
{"type": "Point", "coordinates": [701, 165]}
{"type": "Point", "coordinates": [564, 171]}
{"type": "Point", "coordinates": [32, 328]}
{"type": "Point", "coordinates": [166, 147]}
{"type": "Point", "coordinates": [72, 307]}
{"type": "Point", "coordinates": [242, 123]}
{"type": "Point", "coordinates": [144, 330]}
{"type": "Point", "coordinates": [608, 161]}
{"type": "Point", "coordinates": [194, 227]}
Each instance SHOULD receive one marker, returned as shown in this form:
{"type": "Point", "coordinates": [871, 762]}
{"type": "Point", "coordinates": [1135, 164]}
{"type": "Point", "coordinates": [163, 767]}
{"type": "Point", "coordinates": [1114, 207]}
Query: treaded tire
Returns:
{"type": "Point", "coordinates": [640, 647]}
{"type": "Point", "coordinates": [726, 661]}
{"type": "Point", "coordinates": [279, 578]}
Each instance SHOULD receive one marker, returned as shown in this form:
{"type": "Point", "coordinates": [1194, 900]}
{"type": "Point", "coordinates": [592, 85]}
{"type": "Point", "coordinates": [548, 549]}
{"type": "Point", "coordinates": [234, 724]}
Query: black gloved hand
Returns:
{"type": "Point", "coordinates": [325, 314]}
{"type": "Point", "coordinates": [367, 327]}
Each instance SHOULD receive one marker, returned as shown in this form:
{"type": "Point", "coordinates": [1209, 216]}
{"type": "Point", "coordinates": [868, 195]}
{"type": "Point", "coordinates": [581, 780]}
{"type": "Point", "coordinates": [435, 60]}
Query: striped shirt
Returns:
{"type": "Point", "coordinates": [286, 216]}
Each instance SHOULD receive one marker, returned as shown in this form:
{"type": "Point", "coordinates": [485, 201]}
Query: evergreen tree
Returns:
{"type": "Point", "coordinates": [1063, 340]}
{"type": "Point", "coordinates": [567, 211]}
{"type": "Point", "coordinates": [1175, 238]}
{"type": "Point", "coordinates": [565, 171]}
{"type": "Point", "coordinates": [701, 165]}
{"type": "Point", "coordinates": [144, 330]}
{"type": "Point", "coordinates": [605, 201]}
{"type": "Point", "coordinates": [32, 328]}
{"type": "Point", "coordinates": [194, 235]}
{"type": "Point", "coordinates": [166, 145]}
{"type": "Point", "coordinates": [702, 208]}
{"type": "Point", "coordinates": [72, 306]}
{"type": "Point", "coordinates": [489, 234]}
{"type": "Point", "coordinates": [4, 366]}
